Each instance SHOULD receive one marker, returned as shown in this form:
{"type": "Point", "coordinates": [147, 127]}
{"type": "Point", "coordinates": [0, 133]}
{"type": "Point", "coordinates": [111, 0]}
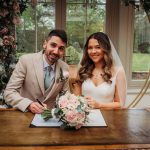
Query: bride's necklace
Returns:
{"type": "Point", "coordinates": [97, 75]}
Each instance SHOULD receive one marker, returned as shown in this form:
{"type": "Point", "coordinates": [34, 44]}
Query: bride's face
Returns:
{"type": "Point", "coordinates": [95, 51]}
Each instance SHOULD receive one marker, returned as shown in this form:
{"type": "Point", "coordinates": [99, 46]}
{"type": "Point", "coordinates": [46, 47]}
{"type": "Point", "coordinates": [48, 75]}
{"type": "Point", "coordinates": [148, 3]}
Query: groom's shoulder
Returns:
{"type": "Point", "coordinates": [63, 64]}
{"type": "Point", "coordinates": [29, 56]}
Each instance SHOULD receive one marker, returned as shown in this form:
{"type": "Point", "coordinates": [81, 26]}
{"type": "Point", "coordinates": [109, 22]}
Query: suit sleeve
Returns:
{"type": "Point", "coordinates": [12, 92]}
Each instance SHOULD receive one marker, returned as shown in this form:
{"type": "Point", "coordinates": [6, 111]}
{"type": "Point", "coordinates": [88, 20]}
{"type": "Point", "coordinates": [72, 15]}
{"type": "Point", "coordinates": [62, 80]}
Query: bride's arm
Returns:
{"type": "Point", "coordinates": [121, 88]}
{"type": "Point", "coordinates": [98, 105]}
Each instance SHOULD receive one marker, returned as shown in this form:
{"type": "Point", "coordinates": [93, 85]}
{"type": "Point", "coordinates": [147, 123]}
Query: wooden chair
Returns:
{"type": "Point", "coordinates": [3, 106]}
{"type": "Point", "coordinates": [71, 84]}
{"type": "Point", "coordinates": [141, 93]}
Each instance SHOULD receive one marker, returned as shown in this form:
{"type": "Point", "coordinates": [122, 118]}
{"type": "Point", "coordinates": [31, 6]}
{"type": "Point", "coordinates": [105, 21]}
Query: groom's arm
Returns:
{"type": "Point", "coordinates": [12, 94]}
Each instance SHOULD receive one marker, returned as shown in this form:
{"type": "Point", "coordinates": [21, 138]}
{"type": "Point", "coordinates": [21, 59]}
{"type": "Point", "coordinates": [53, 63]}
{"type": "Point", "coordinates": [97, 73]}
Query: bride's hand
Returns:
{"type": "Point", "coordinates": [92, 103]}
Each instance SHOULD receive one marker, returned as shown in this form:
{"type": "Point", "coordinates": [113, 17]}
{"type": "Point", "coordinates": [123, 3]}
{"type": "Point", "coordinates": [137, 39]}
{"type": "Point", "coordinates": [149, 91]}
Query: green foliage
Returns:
{"type": "Point", "coordinates": [47, 114]}
{"type": "Point", "coordinates": [144, 47]}
{"type": "Point", "coordinates": [73, 55]}
{"type": "Point", "coordinates": [37, 22]}
{"type": "Point", "coordinates": [83, 20]}
{"type": "Point", "coordinates": [140, 62]}
{"type": "Point", "coordinates": [144, 4]}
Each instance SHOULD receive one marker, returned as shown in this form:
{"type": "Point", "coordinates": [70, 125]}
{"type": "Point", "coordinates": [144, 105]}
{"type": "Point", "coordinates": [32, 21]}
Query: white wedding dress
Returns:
{"type": "Point", "coordinates": [103, 92]}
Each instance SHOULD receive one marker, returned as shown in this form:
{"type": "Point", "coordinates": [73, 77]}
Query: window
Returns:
{"type": "Point", "coordinates": [83, 17]}
{"type": "Point", "coordinates": [37, 21]}
{"type": "Point", "coordinates": [133, 31]}
{"type": "Point", "coordinates": [141, 47]}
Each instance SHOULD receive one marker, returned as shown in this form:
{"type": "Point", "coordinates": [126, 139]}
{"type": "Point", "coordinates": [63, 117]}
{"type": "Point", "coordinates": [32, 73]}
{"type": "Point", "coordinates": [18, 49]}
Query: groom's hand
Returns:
{"type": "Point", "coordinates": [36, 108]}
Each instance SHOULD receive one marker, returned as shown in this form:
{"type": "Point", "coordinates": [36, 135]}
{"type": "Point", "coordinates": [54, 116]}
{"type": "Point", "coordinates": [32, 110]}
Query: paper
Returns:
{"type": "Point", "coordinates": [95, 119]}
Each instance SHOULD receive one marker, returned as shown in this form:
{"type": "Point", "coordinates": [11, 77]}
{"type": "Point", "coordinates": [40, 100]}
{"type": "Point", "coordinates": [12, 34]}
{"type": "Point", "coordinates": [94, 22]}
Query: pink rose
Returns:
{"type": "Point", "coordinates": [8, 40]}
{"type": "Point", "coordinates": [16, 20]}
{"type": "Point", "coordinates": [63, 103]}
{"type": "Point", "coordinates": [16, 7]}
{"type": "Point", "coordinates": [71, 116]}
{"type": "Point", "coordinates": [4, 12]}
{"type": "Point", "coordinates": [81, 117]}
{"type": "Point", "coordinates": [4, 30]}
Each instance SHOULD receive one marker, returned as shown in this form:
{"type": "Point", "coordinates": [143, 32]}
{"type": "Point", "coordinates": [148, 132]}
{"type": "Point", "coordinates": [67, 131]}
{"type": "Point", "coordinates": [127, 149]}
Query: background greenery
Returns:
{"type": "Point", "coordinates": [140, 62]}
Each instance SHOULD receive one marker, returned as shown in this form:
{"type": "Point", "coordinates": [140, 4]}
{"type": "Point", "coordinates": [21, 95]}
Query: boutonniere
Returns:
{"type": "Point", "coordinates": [63, 75]}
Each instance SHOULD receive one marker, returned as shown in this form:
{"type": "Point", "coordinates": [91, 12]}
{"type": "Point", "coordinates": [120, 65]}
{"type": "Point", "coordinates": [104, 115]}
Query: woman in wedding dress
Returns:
{"type": "Point", "coordinates": [101, 77]}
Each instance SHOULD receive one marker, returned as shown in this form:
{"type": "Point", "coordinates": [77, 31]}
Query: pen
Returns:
{"type": "Point", "coordinates": [41, 103]}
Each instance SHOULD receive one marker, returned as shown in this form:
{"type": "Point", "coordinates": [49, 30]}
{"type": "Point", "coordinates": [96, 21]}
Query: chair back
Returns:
{"type": "Point", "coordinates": [141, 93]}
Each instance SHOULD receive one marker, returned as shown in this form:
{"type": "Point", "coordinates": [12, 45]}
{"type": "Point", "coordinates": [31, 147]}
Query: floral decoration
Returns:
{"type": "Point", "coordinates": [71, 110]}
{"type": "Point", "coordinates": [10, 11]}
{"type": "Point", "coordinates": [64, 75]}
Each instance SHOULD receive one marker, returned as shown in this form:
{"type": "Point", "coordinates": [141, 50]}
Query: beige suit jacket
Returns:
{"type": "Point", "coordinates": [27, 82]}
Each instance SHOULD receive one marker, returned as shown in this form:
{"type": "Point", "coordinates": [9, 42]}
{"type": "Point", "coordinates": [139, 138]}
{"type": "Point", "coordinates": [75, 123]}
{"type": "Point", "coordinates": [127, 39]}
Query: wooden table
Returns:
{"type": "Point", "coordinates": [126, 129]}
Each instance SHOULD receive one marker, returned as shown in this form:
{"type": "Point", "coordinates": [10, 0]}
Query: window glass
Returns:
{"type": "Point", "coordinates": [141, 50]}
{"type": "Point", "coordinates": [37, 21]}
{"type": "Point", "coordinates": [83, 17]}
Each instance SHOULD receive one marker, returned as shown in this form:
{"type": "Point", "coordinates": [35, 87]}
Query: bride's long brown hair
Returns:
{"type": "Point", "coordinates": [87, 65]}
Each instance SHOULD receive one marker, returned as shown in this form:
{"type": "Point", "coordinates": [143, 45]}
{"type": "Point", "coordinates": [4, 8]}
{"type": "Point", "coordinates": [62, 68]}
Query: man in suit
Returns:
{"type": "Point", "coordinates": [27, 83]}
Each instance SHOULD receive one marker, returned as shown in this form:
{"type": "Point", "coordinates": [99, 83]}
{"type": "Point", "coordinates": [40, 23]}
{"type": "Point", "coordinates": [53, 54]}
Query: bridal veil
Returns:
{"type": "Point", "coordinates": [120, 75]}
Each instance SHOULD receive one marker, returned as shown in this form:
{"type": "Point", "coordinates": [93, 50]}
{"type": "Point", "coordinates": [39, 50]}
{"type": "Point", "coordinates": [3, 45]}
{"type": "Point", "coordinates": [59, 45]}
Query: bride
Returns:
{"type": "Point", "coordinates": [101, 77]}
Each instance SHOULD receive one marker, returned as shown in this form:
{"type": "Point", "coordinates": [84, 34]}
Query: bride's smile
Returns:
{"type": "Point", "coordinates": [95, 51]}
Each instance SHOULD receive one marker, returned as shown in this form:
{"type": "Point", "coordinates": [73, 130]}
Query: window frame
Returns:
{"type": "Point", "coordinates": [126, 45]}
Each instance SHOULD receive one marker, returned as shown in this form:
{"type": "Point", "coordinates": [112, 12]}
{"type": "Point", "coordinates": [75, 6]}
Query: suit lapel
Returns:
{"type": "Point", "coordinates": [38, 67]}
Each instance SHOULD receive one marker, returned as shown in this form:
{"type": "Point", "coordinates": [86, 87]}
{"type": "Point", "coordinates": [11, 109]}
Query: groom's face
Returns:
{"type": "Point", "coordinates": [54, 49]}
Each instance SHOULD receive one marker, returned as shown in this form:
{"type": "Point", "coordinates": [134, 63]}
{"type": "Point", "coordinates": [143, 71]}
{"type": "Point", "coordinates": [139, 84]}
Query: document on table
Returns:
{"type": "Point", "coordinates": [95, 119]}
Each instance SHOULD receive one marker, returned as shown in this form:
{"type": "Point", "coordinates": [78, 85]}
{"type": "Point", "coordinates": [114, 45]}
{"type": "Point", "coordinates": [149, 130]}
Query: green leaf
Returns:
{"type": "Point", "coordinates": [46, 115]}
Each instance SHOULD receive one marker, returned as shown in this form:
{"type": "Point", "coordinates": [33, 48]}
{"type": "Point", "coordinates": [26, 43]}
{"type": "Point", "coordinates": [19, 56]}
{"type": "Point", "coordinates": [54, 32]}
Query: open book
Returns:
{"type": "Point", "coordinates": [95, 119]}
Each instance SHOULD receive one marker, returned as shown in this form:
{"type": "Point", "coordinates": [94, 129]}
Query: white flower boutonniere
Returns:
{"type": "Point", "coordinates": [64, 75]}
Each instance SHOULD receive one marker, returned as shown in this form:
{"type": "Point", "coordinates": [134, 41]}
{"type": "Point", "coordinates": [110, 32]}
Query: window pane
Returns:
{"type": "Point", "coordinates": [36, 23]}
{"type": "Point", "coordinates": [84, 17]}
{"type": "Point", "coordinates": [141, 51]}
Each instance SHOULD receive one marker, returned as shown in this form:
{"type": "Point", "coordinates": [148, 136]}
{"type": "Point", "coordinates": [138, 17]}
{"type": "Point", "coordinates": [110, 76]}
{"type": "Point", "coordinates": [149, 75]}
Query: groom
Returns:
{"type": "Point", "coordinates": [41, 76]}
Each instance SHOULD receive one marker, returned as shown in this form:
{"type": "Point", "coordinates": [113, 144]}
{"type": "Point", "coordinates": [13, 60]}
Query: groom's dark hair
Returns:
{"type": "Point", "coordinates": [60, 33]}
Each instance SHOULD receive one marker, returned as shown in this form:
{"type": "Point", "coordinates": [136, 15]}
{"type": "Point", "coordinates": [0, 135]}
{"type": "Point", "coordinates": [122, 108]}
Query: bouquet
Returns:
{"type": "Point", "coordinates": [71, 110]}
